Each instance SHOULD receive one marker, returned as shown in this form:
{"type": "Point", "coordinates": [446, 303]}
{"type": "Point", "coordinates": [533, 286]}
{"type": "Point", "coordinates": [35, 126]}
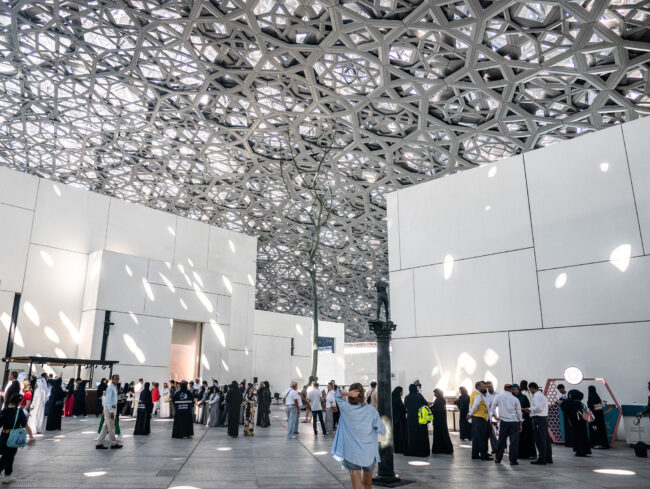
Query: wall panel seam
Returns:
{"type": "Point", "coordinates": [532, 237]}
{"type": "Point", "coordinates": [629, 172]}
{"type": "Point", "coordinates": [464, 259]}
{"type": "Point", "coordinates": [523, 330]}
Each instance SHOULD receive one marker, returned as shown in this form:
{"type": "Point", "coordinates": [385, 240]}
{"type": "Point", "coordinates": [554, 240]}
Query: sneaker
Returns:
{"type": "Point", "coordinates": [115, 447]}
{"type": "Point", "coordinates": [101, 447]}
{"type": "Point", "coordinates": [7, 479]}
{"type": "Point", "coordinates": [292, 437]}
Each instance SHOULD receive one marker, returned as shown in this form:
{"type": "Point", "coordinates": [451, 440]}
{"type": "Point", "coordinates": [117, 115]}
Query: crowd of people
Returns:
{"type": "Point", "coordinates": [516, 419]}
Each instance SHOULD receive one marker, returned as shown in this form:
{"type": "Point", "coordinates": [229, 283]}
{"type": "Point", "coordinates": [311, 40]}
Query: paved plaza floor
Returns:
{"type": "Point", "coordinates": [269, 460]}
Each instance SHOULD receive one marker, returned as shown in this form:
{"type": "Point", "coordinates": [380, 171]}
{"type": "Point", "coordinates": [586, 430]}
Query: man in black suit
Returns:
{"type": "Point", "coordinates": [13, 387]}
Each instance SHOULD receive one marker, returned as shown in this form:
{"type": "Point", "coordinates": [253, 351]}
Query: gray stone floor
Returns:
{"type": "Point", "coordinates": [213, 460]}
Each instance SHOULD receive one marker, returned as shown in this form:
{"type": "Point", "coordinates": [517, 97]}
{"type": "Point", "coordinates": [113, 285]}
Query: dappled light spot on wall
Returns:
{"type": "Point", "coordinates": [183, 305]}
{"type": "Point", "coordinates": [60, 353]}
{"type": "Point", "coordinates": [490, 357]}
{"type": "Point", "coordinates": [147, 289]}
{"type": "Point", "coordinates": [218, 332]}
{"type": "Point", "coordinates": [171, 230]}
{"type": "Point", "coordinates": [604, 166]}
{"type": "Point", "coordinates": [232, 246]}
{"type": "Point", "coordinates": [298, 372]}
{"type": "Point", "coordinates": [168, 265]}
{"type": "Point", "coordinates": [205, 302]}
{"type": "Point", "coordinates": [133, 317]}
{"type": "Point", "coordinates": [96, 268]}
{"type": "Point", "coordinates": [487, 208]}
{"type": "Point", "coordinates": [128, 270]}
{"type": "Point", "coordinates": [435, 371]}
{"type": "Point", "coordinates": [73, 331]}
{"type": "Point", "coordinates": [167, 282]}
{"type": "Point", "coordinates": [5, 319]}
{"type": "Point", "coordinates": [47, 258]}
{"type": "Point", "coordinates": [227, 283]}
{"type": "Point", "coordinates": [190, 262]}
{"type": "Point", "coordinates": [620, 257]}
{"type": "Point", "coordinates": [48, 370]}
{"type": "Point", "coordinates": [134, 348]}
{"type": "Point", "coordinates": [204, 361]}
{"type": "Point", "coordinates": [56, 189]}
{"type": "Point", "coordinates": [489, 376]}
{"type": "Point", "coordinates": [560, 280]}
{"type": "Point", "coordinates": [225, 366]}
{"type": "Point", "coordinates": [246, 352]}
{"type": "Point", "coordinates": [492, 172]}
{"type": "Point", "coordinates": [18, 338]}
{"type": "Point", "coordinates": [466, 362]}
{"type": "Point", "coordinates": [299, 330]}
{"type": "Point", "coordinates": [251, 280]}
{"type": "Point", "coordinates": [31, 313]}
{"type": "Point", "coordinates": [448, 266]}
{"type": "Point", "coordinates": [197, 277]}
{"type": "Point", "coordinates": [443, 383]}
{"type": "Point", "coordinates": [51, 335]}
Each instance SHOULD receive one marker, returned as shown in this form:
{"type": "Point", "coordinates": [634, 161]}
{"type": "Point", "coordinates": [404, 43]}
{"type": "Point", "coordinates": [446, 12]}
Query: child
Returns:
{"type": "Point", "coordinates": [7, 420]}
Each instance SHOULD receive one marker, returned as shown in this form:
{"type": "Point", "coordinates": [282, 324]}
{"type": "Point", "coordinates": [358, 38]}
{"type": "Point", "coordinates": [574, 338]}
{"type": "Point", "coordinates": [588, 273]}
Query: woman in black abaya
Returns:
{"type": "Point", "coordinates": [223, 407]}
{"type": "Point", "coordinates": [234, 403]}
{"type": "Point", "coordinates": [441, 440]}
{"type": "Point", "coordinates": [573, 410]}
{"type": "Point", "coordinates": [80, 398]}
{"type": "Point", "coordinates": [597, 429]}
{"type": "Point", "coordinates": [183, 413]}
{"type": "Point", "coordinates": [145, 408]}
{"type": "Point", "coordinates": [417, 435]}
{"type": "Point", "coordinates": [463, 406]}
{"type": "Point", "coordinates": [399, 421]}
{"type": "Point", "coordinates": [526, 439]}
{"type": "Point", "coordinates": [55, 407]}
{"type": "Point", "coordinates": [263, 405]}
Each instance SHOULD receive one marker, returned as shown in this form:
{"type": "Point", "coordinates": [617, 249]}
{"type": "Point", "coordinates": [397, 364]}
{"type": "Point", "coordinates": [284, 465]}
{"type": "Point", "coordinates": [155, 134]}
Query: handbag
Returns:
{"type": "Point", "coordinates": [587, 415]}
{"type": "Point", "coordinates": [17, 437]}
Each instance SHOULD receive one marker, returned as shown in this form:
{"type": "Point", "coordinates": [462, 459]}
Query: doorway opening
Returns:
{"type": "Point", "coordinates": [185, 350]}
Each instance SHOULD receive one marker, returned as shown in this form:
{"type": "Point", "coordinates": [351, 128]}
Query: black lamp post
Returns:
{"type": "Point", "coordinates": [386, 475]}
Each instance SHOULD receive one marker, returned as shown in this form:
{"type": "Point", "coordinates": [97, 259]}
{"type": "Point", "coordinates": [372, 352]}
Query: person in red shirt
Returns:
{"type": "Point", "coordinates": [155, 398]}
{"type": "Point", "coordinates": [26, 404]}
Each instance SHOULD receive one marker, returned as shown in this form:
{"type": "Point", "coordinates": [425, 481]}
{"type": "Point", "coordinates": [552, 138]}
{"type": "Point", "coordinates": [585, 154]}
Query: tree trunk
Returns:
{"type": "Point", "coordinates": [314, 295]}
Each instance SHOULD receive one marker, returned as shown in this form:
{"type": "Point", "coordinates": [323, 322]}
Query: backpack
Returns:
{"type": "Point", "coordinates": [17, 437]}
{"type": "Point", "coordinates": [425, 415]}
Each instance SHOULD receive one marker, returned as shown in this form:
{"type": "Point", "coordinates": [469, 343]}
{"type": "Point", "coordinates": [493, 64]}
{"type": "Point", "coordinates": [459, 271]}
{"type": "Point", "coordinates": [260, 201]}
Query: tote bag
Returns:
{"type": "Point", "coordinates": [17, 437]}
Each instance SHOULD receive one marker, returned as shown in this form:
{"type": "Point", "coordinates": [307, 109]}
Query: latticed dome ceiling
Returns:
{"type": "Point", "coordinates": [186, 106]}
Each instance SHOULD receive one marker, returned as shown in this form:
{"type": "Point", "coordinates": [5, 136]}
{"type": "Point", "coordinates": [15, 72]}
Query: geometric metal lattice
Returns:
{"type": "Point", "coordinates": [185, 106]}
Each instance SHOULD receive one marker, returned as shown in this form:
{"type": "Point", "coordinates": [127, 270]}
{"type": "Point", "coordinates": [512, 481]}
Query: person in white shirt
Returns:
{"type": "Point", "coordinates": [136, 392]}
{"type": "Point", "coordinates": [292, 406]}
{"type": "Point", "coordinates": [315, 401]}
{"type": "Point", "coordinates": [492, 426]}
{"type": "Point", "coordinates": [330, 406]}
{"type": "Point", "coordinates": [506, 409]}
{"type": "Point", "coordinates": [539, 415]}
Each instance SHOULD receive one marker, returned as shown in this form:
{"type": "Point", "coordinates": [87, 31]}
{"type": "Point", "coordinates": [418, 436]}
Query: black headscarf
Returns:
{"type": "Point", "coordinates": [593, 397]}
{"type": "Point", "coordinates": [576, 395]}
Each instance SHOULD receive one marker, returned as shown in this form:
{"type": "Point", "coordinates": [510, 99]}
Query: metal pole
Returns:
{"type": "Point", "coordinates": [107, 330]}
{"type": "Point", "coordinates": [12, 333]}
{"type": "Point", "coordinates": [386, 472]}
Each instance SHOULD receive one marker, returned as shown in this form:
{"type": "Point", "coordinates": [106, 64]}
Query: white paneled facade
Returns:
{"type": "Point", "coordinates": [521, 268]}
{"type": "Point", "coordinates": [274, 361]}
{"type": "Point", "coordinates": [75, 254]}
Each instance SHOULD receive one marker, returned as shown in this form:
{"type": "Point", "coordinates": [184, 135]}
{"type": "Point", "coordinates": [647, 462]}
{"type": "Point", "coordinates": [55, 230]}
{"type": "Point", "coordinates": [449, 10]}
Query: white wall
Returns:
{"type": "Point", "coordinates": [272, 356]}
{"type": "Point", "coordinates": [73, 254]}
{"type": "Point", "coordinates": [526, 266]}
